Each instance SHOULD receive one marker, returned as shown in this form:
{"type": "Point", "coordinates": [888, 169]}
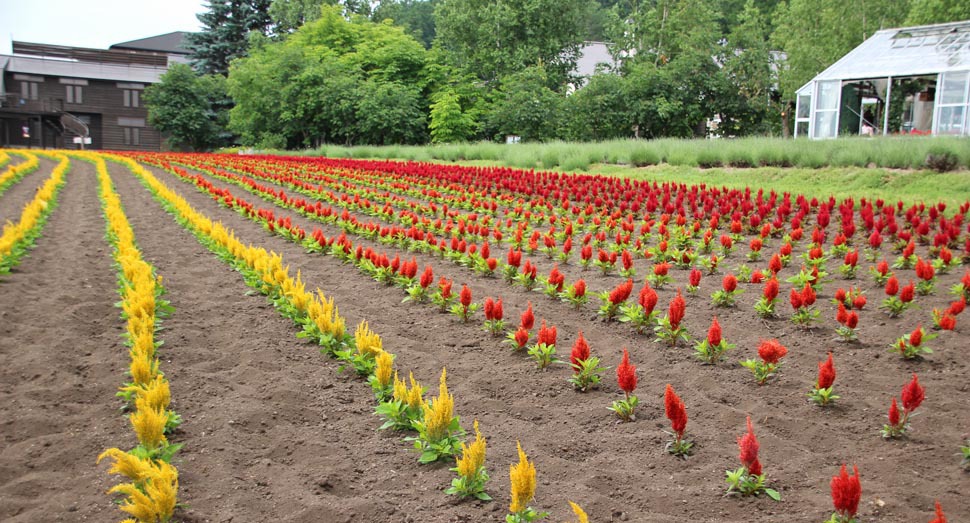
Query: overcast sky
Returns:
{"type": "Point", "coordinates": [93, 23]}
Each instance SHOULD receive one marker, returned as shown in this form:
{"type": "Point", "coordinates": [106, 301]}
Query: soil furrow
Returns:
{"type": "Point", "coordinates": [20, 193]}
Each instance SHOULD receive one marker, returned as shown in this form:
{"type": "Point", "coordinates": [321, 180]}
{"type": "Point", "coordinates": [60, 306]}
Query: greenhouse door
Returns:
{"type": "Point", "coordinates": [825, 118]}
{"type": "Point", "coordinates": [953, 104]}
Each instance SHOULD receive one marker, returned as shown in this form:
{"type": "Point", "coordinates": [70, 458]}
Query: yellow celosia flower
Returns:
{"type": "Point", "coordinates": [523, 476]}
{"type": "Point", "coordinates": [439, 411]}
{"type": "Point", "coordinates": [415, 397]}
{"type": "Point", "coordinates": [162, 487]}
{"type": "Point", "coordinates": [385, 361]}
{"type": "Point", "coordinates": [472, 456]}
{"type": "Point", "coordinates": [156, 395]}
{"type": "Point", "coordinates": [129, 465]}
{"type": "Point", "coordinates": [367, 341]}
{"type": "Point", "coordinates": [138, 504]}
{"type": "Point", "coordinates": [149, 425]}
{"type": "Point", "coordinates": [580, 513]}
{"type": "Point", "coordinates": [143, 370]}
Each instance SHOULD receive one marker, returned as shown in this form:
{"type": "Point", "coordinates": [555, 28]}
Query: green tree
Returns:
{"type": "Point", "coordinates": [415, 16]}
{"type": "Point", "coordinates": [290, 15]}
{"type": "Point", "coordinates": [189, 108]}
{"type": "Point", "coordinates": [922, 12]}
{"type": "Point", "coordinates": [495, 38]}
{"type": "Point", "coordinates": [448, 121]}
{"type": "Point", "coordinates": [747, 67]}
{"type": "Point", "coordinates": [390, 113]}
{"type": "Point", "coordinates": [226, 27]}
{"type": "Point", "coordinates": [599, 110]}
{"type": "Point", "coordinates": [526, 106]}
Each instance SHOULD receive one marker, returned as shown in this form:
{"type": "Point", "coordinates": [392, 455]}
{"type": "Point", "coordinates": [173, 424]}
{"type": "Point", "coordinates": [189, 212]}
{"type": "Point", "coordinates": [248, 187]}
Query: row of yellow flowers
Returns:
{"type": "Point", "coordinates": [439, 434]}
{"type": "Point", "coordinates": [12, 173]}
{"type": "Point", "coordinates": [17, 238]}
{"type": "Point", "coordinates": [152, 489]}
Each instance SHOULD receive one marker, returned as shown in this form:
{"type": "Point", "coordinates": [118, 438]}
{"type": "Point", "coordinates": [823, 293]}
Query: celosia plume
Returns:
{"type": "Point", "coordinates": [846, 492]}
{"type": "Point", "coordinates": [528, 318]}
{"type": "Point", "coordinates": [730, 283]}
{"type": "Point", "coordinates": [913, 394]}
{"type": "Point", "coordinates": [465, 296]}
{"type": "Point", "coordinates": [714, 333]}
{"type": "Point", "coordinates": [472, 455]}
{"type": "Point", "coordinates": [547, 335]}
{"type": "Point", "coordinates": [626, 374]}
{"type": "Point", "coordinates": [678, 306]}
{"type": "Point", "coordinates": [694, 278]}
{"type": "Point", "coordinates": [771, 351]}
{"type": "Point", "coordinates": [826, 373]}
{"type": "Point", "coordinates": [894, 413]}
{"type": "Point", "coordinates": [770, 290]}
{"type": "Point", "coordinates": [675, 411]}
{"type": "Point", "coordinates": [621, 292]}
{"type": "Point", "coordinates": [580, 351]}
{"type": "Point", "coordinates": [648, 299]}
{"type": "Point", "coordinates": [907, 293]}
{"type": "Point", "coordinates": [748, 444]}
{"type": "Point", "coordinates": [523, 480]}
{"type": "Point", "coordinates": [940, 517]}
{"type": "Point", "coordinates": [892, 286]}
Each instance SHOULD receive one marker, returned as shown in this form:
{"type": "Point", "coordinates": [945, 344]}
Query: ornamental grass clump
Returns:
{"type": "Point", "coordinates": [912, 395]}
{"type": "Point", "coordinates": [439, 431]}
{"type": "Point", "coordinates": [713, 348]}
{"type": "Point", "coordinates": [405, 406]}
{"type": "Point", "coordinates": [522, 476]}
{"type": "Point", "coordinates": [846, 493]}
{"type": "Point", "coordinates": [626, 378]}
{"type": "Point", "coordinates": [749, 480]}
{"type": "Point", "coordinates": [677, 414]}
{"type": "Point", "coordinates": [470, 467]}
{"type": "Point", "coordinates": [586, 369]}
{"type": "Point", "coordinates": [771, 352]}
{"type": "Point", "coordinates": [823, 394]}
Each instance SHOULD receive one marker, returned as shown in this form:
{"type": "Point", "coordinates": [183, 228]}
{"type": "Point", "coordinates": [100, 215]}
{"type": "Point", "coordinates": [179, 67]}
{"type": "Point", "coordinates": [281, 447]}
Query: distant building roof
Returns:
{"type": "Point", "coordinates": [173, 43]}
{"type": "Point", "coordinates": [77, 69]}
{"type": "Point", "coordinates": [907, 51]}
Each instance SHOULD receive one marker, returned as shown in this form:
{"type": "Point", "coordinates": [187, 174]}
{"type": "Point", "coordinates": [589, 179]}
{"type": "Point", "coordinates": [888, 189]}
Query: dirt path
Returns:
{"type": "Point", "coordinates": [20, 193]}
{"type": "Point", "coordinates": [61, 361]}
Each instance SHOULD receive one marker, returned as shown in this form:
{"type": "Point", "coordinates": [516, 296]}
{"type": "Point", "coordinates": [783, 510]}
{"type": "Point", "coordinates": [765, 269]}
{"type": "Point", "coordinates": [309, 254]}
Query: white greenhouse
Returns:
{"type": "Point", "coordinates": [913, 80]}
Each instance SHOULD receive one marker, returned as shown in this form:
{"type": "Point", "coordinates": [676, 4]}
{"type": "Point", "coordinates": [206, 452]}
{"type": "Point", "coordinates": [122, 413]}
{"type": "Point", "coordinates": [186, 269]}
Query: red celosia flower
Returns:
{"type": "Point", "coordinates": [492, 264]}
{"type": "Point", "coordinates": [465, 296]}
{"type": "Point", "coordinates": [957, 307]}
{"type": "Point", "coordinates": [755, 244]}
{"type": "Point", "coordinates": [586, 252]}
{"type": "Point", "coordinates": [514, 257]}
{"type": "Point", "coordinates": [940, 517]}
{"type": "Point", "coordinates": [852, 321]}
{"type": "Point", "coordinates": [906, 293]}
{"type": "Point", "coordinates": [714, 333]}
{"type": "Point", "coordinates": [859, 302]}
{"type": "Point", "coordinates": [839, 295]}
{"type": "Point", "coordinates": [771, 351]}
{"type": "Point", "coordinates": [486, 251]}
{"type": "Point", "coordinates": [785, 249]}
{"type": "Point", "coordinates": [913, 394]}
{"type": "Point", "coordinates": [426, 277]}
{"type": "Point", "coordinates": [846, 492]}
{"type": "Point", "coordinates": [841, 315]}
{"type": "Point", "coordinates": [730, 283]}
{"type": "Point", "coordinates": [489, 307]}
{"type": "Point", "coordinates": [626, 374]}
{"type": "Point", "coordinates": [826, 373]}
{"type": "Point", "coordinates": [445, 285]}
{"type": "Point", "coordinates": [602, 256]}
{"type": "Point", "coordinates": [661, 269]}
{"type": "Point", "coordinates": [892, 286]}
{"type": "Point", "coordinates": [875, 240]}
{"type": "Point", "coordinates": [894, 413]}
{"type": "Point", "coordinates": [621, 292]}
{"type": "Point", "coordinates": [757, 276]}
{"type": "Point", "coordinates": [924, 270]}
{"type": "Point", "coordinates": [695, 277]}
{"type": "Point", "coordinates": [948, 322]}
{"type": "Point", "coordinates": [528, 318]}
{"type": "Point", "coordinates": [627, 259]}
{"type": "Point", "coordinates": [579, 288]}
{"type": "Point", "coordinates": [726, 241]}
{"type": "Point", "coordinates": [675, 411]}
{"type": "Point", "coordinates": [771, 290]}
{"type": "Point", "coordinates": [556, 278]}
{"type": "Point", "coordinates": [795, 298]}
{"type": "Point", "coordinates": [580, 352]}
{"type": "Point", "coordinates": [965, 280]}
{"type": "Point", "coordinates": [851, 258]}
{"type": "Point", "coordinates": [522, 337]}
{"type": "Point", "coordinates": [774, 265]}
{"type": "Point", "coordinates": [648, 298]}
{"type": "Point", "coordinates": [808, 296]}
{"type": "Point", "coordinates": [497, 312]}
{"type": "Point", "coordinates": [749, 451]}
{"type": "Point", "coordinates": [916, 337]}
{"type": "Point", "coordinates": [883, 268]}
{"type": "Point", "coordinates": [675, 313]}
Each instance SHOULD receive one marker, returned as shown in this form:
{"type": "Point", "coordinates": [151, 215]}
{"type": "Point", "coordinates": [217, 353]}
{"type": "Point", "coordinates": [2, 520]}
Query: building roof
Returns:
{"type": "Point", "coordinates": [173, 43]}
{"type": "Point", "coordinates": [76, 69]}
{"type": "Point", "coordinates": [907, 51]}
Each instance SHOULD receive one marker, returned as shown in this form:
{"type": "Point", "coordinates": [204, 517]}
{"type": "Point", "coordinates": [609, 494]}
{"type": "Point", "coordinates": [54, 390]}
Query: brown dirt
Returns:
{"type": "Point", "coordinates": [273, 433]}
{"type": "Point", "coordinates": [20, 193]}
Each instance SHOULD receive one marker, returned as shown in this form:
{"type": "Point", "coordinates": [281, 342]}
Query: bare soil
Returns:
{"type": "Point", "coordinates": [273, 432]}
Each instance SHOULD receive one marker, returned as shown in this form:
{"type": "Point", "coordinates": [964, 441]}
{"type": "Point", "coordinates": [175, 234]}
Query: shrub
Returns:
{"type": "Point", "coordinates": [941, 160]}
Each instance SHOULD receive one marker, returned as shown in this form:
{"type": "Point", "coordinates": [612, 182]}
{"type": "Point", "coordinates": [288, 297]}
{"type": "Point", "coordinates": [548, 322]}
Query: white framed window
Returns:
{"type": "Point", "coordinates": [74, 94]}
{"type": "Point", "coordinates": [131, 97]}
{"type": "Point", "coordinates": [132, 135]}
{"type": "Point", "coordinates": [954, 103]}
{"type": "Point", "coordinates": [29, 90]}
{"type": "Point", "coordinates": [825, 121]}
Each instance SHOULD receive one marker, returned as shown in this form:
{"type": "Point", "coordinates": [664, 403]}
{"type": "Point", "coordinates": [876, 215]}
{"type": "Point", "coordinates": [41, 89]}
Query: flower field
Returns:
{"type": "Point", "coordinates": [263, 338]}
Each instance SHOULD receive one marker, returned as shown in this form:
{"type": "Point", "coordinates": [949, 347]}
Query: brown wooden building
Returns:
{"type": "Point", "coordinates": [52, 95]}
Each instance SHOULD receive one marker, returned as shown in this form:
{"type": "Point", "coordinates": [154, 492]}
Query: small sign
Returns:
{"type": "Point", "coordinates": [86, 140]}
{"type": "Point", "coordinates": [25, 131]}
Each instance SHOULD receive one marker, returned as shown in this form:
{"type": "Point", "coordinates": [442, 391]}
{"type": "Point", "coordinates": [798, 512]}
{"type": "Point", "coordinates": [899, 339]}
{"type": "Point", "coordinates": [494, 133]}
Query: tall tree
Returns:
{"type": "Point", "coordinates": [189, 108]}
{"type": "Point", "coordinates": [747, 67]}
{"type": "Point", "coordinates": [290, 15]}
{"type": "Point", "coordinates": [495, 38]}
{"type": "Point", "coordinates": [923, 12]}
{"type": "Point", "coordinates": [226, 27]}
{"type": "Point", "coordinates": [415, 16]}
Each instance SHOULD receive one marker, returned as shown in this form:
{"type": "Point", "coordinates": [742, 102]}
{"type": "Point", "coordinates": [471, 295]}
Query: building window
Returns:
{"type": "Point", "coordinates": [132, 97]}
{"type": "Point", "coordinates": [74, 94]}
{"type": "Point", "coordinates": [29, 90]}
{"type": "Point", "coordinates": [132, 135]}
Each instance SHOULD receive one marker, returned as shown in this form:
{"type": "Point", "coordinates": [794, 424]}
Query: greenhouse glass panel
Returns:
{"type": "Point", "coordinates": [954, 88]}
{"type": "Point", "coordinates": [951, 120]}
{"type": "Point", "coordinates": [804, 107]}
{"type": "Point", "coordinates": [828, 95]}
{"type": "Point", "coordinates": [825, 124]}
